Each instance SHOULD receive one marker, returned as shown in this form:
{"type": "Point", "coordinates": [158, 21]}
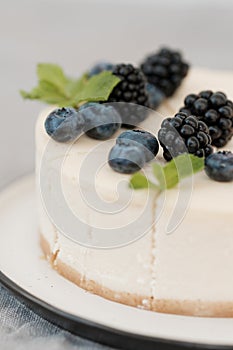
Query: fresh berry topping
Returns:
{"type": "Point", "coordinates": [126, 157]}
{"type": "Point", "coordinates": [64, 124]}
{"type": "Point", "coordinates": [184, 134]}
{"type": "Point", "coordinates": [155, 96]}
{"type": "Point", "coordinates": [149, 143]}
{"type": "Point", "coordinates": [215, 110]}
{"type": "Point", "coordinates": [219, 166]}
{"type": "Point", "coordinates": [100, 67]}
{"type": "Point", "coordinates": [132, 91]}
{"type": "Point", "coordinates": [165, 70]}
{"type": "Point", "coordinates": [101, 120]}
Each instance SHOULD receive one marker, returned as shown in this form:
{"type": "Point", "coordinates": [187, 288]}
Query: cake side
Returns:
{"type": "Point", "coordinates": [194, 264]}
{"type": "Point", "coordinates": [122, 274]}
{"type": "Point", "coordinates": [74, 275]}
{"type": "Point", "coordinates": [174, 273]}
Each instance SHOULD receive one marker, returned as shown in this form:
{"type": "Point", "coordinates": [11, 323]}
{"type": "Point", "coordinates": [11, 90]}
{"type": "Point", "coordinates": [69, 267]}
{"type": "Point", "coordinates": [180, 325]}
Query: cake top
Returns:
{"type": "Point", "coordinates": [109, 97]}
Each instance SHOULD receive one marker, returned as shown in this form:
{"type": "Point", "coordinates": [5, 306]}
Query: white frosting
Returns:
{"type": "Point", "coordinates": [194, 262]}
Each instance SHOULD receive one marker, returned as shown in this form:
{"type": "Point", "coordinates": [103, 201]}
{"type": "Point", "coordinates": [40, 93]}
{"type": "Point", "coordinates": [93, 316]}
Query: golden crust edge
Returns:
{"type": "Point", "coordinates": [196, 308]}
{"type": "Point", "coordinates": [91, 286]}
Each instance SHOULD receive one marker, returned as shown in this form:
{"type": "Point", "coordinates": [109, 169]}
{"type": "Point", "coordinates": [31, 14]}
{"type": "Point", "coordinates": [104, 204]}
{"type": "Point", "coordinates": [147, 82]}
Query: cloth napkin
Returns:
{"type": "Point", "coordinates": [22, 329]}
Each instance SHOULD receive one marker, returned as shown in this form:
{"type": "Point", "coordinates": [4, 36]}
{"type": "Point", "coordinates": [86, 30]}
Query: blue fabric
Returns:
{"type": "Point", "coordinates": [22, 329]}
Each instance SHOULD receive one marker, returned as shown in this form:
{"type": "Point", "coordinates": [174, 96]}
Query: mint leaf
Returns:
{"type": "Point", "coordinates": [158, 172]}
{"type": "Point", "coordinates": [139, 181]}
{"type": "Point", "coordinates": [54, 87]}
{"type": "Point", "coordinates": [180, 167]}
{"type": "Point", "coordinates": [98, 87]}
{"type": "Point", "coordinates": [169, 176]}
{"type": "Point", "coordinates": [74, 86]}
{"type": "Point", "coordinates": [46, 92]}
{"type": "Point", "coordinates": [52, 74]}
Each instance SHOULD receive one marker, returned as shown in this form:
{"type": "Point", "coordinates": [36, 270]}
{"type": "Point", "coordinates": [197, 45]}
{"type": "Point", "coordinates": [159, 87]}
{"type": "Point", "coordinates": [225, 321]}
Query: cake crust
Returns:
{"type": "Point", "coordinates": [196, 308]}
{"type": "Point", "coordinates": [74, 276]}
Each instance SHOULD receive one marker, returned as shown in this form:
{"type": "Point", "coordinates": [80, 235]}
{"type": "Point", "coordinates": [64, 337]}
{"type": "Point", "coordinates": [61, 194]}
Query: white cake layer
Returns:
{"type": "Point", "coordinates": [194, 262]}
{"type": "Point", "coordinates": [123, 270]}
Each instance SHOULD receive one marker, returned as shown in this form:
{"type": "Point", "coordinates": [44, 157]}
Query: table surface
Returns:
{"type": "Point", "coordinates": [75, 34]}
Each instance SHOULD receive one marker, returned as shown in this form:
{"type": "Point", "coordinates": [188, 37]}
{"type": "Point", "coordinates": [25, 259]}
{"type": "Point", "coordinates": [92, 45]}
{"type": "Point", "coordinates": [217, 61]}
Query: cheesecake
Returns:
{"type": "Point", "coordinates": [169, 252]}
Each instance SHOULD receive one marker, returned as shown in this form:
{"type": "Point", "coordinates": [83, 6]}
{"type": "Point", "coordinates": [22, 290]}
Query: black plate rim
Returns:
{"type": "Point", "coordinates": [96, 332]}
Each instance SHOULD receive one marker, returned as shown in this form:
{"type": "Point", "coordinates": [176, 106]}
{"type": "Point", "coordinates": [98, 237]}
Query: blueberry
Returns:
{"type": "Point", "coordinates": [101, 120]}
{"type": "Point", "coordinates": [126, 157]}
{"type": "Point", "coordinates": [219, 166]}
{"type": "Point", "coordinates": [155, 96]}
{"type": "Point", "coordinates": [142, 138]}
{"type": "Point", "coordinates": [100, 67]}
{"type": "Point", "coordinates": [64, 124]}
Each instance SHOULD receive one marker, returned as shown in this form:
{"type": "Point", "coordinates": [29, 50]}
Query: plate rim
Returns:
{"type": "Point", "coordinates": [97, 332]}
{"type": "Point", "coordinates": [88, 329]}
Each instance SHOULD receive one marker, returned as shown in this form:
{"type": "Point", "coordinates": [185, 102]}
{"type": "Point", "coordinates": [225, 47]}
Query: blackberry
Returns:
{"type": "Point", "coordinates": [131, 91]}
{"type": "Point", "coordinates": [215, 110]}
{"type": "Point", "coordinates": [184, 134]}
{"type": "Point", "coordinates": [165, 70]}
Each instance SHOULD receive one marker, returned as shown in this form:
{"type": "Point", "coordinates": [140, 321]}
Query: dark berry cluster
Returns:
{"type": "Point", "coordinates": [184, 134]}
{"type": "Point", "coordinates": [132, 90]}
{"type": "Point", "coordinates": [215, 110]}
{"type": "Point", "coordinates": [165, 69]}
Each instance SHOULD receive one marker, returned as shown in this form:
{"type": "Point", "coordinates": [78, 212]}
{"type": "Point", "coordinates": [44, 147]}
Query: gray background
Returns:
{"type": "Point", "coordinates": [77, 33]}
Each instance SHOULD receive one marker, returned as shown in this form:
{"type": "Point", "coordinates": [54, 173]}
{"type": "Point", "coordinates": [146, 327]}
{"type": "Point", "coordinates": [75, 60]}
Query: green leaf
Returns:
{"type": "Point", "coordinates": [56, 88]}
{"type": "Point", "coordinates": [172, 173]}
{"type": "Point", "coordinates": [74, 86]}
{"type": "Point", "coordinates": [52, 74]}
{"type": "Point", "coordinates": [139, 181]}
{"type": "Point", "coordinates": [158, 172]}
{"type": "Point", "coordinates": [98, 87]}
{"type": "Point", "coordinates": [180, 167]}
{"type": "Point", "coordinates": [46, 92]}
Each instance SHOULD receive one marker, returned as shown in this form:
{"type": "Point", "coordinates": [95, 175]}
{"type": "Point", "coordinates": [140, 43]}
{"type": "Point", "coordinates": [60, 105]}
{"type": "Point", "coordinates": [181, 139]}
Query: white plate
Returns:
{"type": "Point", "coordinates": [27, 274]}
